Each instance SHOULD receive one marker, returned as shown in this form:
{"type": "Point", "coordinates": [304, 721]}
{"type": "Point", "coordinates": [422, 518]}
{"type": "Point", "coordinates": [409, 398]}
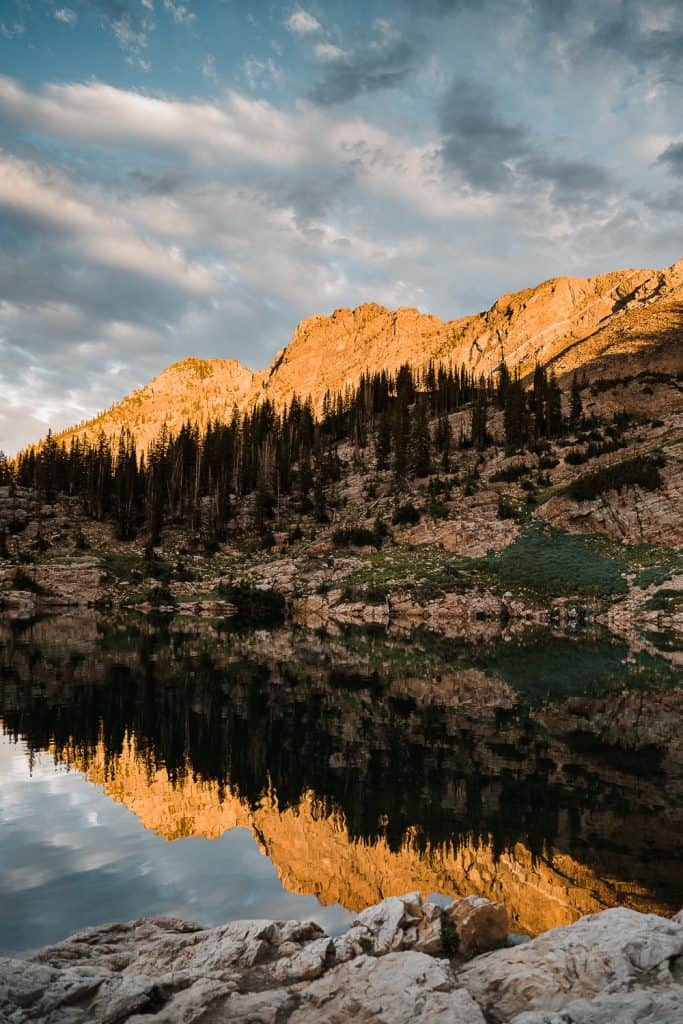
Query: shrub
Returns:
{"type": "Point", "coordinates": [509, 474]}
{"type": "Point", "coordinates": [81, 542]}
{"type": "Point", "coordinates": [406, 515]}
{"type": "Point", "coordinates": [373, 594]}
{"type": "Point", "coordinates": [576, 457]}
{"type": "Point", "coordinates": [506, 508]}
{"type": "Point", "coordinates": [548, 462]}
{"type": "Point", "coordinates": [354, 536]}
{"type": "Point", "coordinates": [161, 595]}
{"type": "Point", "coordinates": [438, 510]}
{"type": "Point", "coordinates": [22, 581]}
{"type": "Point", "coordinates": [255, 607]}
{"type": "Point", "coordinates": [449, 935]}
{"type": "Point", "coordinates": [642, 470]}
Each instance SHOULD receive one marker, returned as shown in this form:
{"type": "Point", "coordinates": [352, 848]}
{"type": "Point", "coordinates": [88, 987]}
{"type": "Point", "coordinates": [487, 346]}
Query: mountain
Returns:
{"type": "Point", "coordinates": [611, 325]}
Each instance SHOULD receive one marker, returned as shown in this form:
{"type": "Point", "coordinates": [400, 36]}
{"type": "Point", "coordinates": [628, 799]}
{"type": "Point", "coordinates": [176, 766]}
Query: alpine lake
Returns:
{"type": "Point", "coordinates": [157, 766]}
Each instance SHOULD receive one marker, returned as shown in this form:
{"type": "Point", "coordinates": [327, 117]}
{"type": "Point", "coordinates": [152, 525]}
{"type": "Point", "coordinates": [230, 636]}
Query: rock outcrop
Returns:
{"type": "Point", "coordinates": [611, 325]}
{"type": "Point", "coordinates": [616, 966]}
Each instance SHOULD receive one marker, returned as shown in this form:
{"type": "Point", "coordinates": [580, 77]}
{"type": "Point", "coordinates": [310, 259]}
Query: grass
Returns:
{"type": "Point", "coordinates": [542, 563]}
{"type": "Point", "coordinates": [122, 566]}
{"type": "Point", "coordinates": [554, 564]}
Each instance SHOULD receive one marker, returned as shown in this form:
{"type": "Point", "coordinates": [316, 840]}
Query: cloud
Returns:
{"type": "Point", "coordinates": [260, 73]}
{"type": "Point", "coordinates": [384, 63]}
{"type": "Point", "coordinates": [101, 237]}
{"type": "Point", "coordinates": [66, 15]}
{"type": "Point", "coordinates": [495, 154]}
{"type": "Point", "coordinates": [672, 159]}
{"type": "Point", "coordinates": [302, 23]}
{"type": "Point", "coordinates": [181, 13]}
{"type": "Point", "coordinates": [13, 31]}
{"type": "Point", "coordinates": [328, 51]}
{"type": "Point", "coordinates": [480, 143]}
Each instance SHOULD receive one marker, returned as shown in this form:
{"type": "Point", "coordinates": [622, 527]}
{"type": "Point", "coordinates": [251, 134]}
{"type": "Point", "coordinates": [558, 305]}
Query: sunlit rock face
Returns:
{"type": "Point", "coordinates": [611, 325]}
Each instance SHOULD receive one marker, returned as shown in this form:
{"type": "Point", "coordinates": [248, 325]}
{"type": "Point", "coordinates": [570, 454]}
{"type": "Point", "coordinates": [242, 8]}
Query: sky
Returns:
{"type": "Point", "coordinates": [193, 178]}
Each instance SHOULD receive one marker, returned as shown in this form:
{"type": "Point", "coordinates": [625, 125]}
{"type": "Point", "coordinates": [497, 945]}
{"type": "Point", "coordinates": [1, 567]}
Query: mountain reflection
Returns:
{"type": "Point", "coordinates": [359, 783]}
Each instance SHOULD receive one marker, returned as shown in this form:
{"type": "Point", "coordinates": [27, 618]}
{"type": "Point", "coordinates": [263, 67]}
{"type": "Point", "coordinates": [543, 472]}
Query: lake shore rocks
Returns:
{"type": "Point", "coordinates": [393, 965]}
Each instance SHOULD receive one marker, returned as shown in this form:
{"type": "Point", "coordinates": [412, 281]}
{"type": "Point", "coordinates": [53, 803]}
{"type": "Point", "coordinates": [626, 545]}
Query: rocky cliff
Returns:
{"type": "Point", "coordinates": [612, 325]}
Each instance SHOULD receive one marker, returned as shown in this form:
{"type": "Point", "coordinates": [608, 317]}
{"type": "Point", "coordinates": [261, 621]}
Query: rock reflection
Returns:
{"type": "Point", "coordinates": [360, 783]}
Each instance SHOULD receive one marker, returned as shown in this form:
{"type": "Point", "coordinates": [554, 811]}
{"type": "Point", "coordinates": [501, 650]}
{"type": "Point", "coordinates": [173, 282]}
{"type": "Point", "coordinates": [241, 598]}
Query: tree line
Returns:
{"type": "Point", "coordinates": [398, 422]}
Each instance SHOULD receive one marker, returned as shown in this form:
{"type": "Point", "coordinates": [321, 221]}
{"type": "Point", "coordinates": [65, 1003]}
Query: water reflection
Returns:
{"type": "Point", "coordinates": [364, 769]}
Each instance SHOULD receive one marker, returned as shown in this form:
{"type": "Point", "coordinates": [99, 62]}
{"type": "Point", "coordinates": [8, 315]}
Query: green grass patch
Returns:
{"type": "Point", "coordinates": [554, 564]}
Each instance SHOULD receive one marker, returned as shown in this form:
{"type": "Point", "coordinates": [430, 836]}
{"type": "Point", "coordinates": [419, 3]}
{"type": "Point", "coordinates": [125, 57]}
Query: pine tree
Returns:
{"type": "Point", "coordinates": [444, 441]}
{"type": "Point", "coordinates": [515, 419]}
{"type": "Point", "coordinates": [554, 421]}
{"type": "Point", "coordinates": [383, 440]}
{"type": "Point", "coordinates": [503, 384]}
{"type": "Point", "coordinates": [479, 434]}
{"type": "Point", "coordinates": [540, 401]}
{"type": "Point", "coordinates": [401, 434]}
{"type": "Point", "coordinates": [576, 405]}
{"type": "Point", "coordinates": [420, 443]}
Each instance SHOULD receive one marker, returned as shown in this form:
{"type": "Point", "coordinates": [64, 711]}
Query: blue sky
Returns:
{"type": "Point", "coordinates": [194, 178]}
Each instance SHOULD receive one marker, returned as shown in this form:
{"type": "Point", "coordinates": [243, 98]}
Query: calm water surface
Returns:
{"type": "Point", "coordinates": [146, 770]}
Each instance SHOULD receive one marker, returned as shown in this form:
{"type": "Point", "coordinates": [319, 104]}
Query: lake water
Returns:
{"type": "Point", "coordinates": [155, 768]}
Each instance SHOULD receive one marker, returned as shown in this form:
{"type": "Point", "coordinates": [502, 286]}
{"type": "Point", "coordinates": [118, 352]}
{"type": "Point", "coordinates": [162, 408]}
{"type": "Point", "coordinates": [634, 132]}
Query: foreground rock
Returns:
{"type": "Point", "coordinates": [618, 966]}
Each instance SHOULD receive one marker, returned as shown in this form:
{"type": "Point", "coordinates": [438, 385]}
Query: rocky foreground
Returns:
{"type": "Point", "coordinates": [402, 960]}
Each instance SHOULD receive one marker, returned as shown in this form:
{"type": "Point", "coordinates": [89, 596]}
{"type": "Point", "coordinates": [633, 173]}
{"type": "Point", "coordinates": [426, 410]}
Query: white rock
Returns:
{"type": "Point", "coordinates": [399, 988]}
{"type": "Point", "coordinates": [616, 951]}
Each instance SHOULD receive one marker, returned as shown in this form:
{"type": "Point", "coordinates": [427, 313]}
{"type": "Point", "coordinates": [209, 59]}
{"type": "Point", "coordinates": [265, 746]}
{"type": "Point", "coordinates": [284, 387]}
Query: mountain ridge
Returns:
{"type": "Point", "coordinates": [615, 322]}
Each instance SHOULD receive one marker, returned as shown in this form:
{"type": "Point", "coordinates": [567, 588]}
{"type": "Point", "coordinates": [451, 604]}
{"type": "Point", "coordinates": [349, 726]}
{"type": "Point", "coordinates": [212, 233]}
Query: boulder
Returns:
{"type": "Point", "coordinates": [399, 988]}
{"type": "Point", "coordinates": [480, 924]}
{"type": "Point", "coordinates": [602, 955]}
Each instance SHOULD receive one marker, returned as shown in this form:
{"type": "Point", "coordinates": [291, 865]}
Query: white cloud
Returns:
{"type": "Point", "coordinates": [330, 52]}
{"type": "Point", "coordinates": [14, 31]}
{"type": "Point", "coordinates": [209, 68]}
{"type": "Point", "coordinates": [66, 15]}
{"type": "Point", "coordinates": [94, 227]}
{"type": "Point", "coordinates": [181, 13]}
{"type": "Point", "coordinates": [259, 73]}
{"type": "Point", "coordinates": [302, 23]}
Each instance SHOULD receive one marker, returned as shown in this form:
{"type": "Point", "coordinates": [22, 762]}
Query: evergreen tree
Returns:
{"type": "Point", "coordinates": [503, 384]}
{"type": "Point", "coordinates": [515, 419]}
{"type": "Point", "coordinates": [575, 405]}
{"type": "Point", "coordinates": [444, 441]}
{"type": "Point", "coordinates": [383, 440]}
{"type": "Point", "coordinates": [540, 401]}
{"type": "Point", "coordinates": [479, 434]}
{"type": "Point", "coordinates": [420, 442]}
{"type": "Point", "coordinates": [401, 434]}
{"type": "Point", "coordinates": [554, 421]}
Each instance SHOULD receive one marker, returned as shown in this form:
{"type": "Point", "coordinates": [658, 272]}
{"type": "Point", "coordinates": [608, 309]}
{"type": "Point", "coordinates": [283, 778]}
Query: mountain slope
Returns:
{"type": "Point", "coordinates": [612, 325]}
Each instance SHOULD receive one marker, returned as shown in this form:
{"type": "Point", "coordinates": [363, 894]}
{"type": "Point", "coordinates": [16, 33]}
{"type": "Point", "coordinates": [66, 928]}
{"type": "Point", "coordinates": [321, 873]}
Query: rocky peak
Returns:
{"type": "Point", "coordinates": [619, 322]}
